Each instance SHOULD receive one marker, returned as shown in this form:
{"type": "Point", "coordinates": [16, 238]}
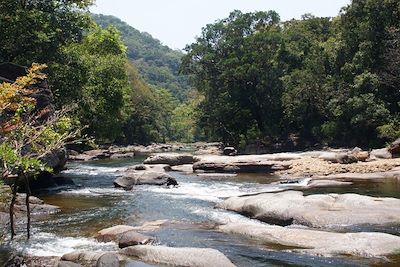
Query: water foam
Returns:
{"type": "Point", "coordinates": [46, 244]}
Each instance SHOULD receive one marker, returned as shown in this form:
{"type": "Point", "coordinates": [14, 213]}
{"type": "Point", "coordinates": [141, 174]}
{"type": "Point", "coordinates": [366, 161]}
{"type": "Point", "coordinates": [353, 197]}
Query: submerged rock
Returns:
{"type": "Point", "coordinates": [144, 178]}
{"type": "Point", "coordinates": [318, 242]}
{"type": "Point", "coordinates": [172, 256]}
{"type": "Point", "coordinates": [331, 210]}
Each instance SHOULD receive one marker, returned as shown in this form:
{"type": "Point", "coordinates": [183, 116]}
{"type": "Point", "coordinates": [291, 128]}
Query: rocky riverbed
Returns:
{"type": "Point", "coordinates": [185, 208]}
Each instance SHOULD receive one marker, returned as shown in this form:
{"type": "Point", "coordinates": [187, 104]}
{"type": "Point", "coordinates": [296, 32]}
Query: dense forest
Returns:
{"type": "Point", "coordinates": [332, 81]}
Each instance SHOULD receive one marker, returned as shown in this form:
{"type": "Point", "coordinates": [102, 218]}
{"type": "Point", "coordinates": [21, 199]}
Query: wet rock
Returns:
{"type": "Point", "coordinates": [108, 260]}
{"type": "Point", "coordinates": [331, 210]}
{"type": "Point", "coordinates": [171, 159]}
{"type": "Point", "coordinates": [172, 256]}
{"type": "Point", "coordinates": [382, 153]}
{"type": "Point", "coordinates": [318, 242]}
{"type": "Point", "coordinates": [132, 238]}
{"type": "Point", "coordinates": [144, 178]}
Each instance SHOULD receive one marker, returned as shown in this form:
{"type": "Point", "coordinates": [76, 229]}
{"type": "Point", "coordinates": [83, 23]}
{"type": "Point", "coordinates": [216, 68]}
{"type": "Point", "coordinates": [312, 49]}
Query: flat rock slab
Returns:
{"type": "Point", "coordinates": [144, 178]}
{"type": "Point", "coordinates": [331, 210]}
{"type": "Point", "coordinates": [362, 176]}
{"type": "Point", "coordinates": [124, 235]}
{"type": "Point", "coordinates": [171, 256]}
{"type": "Point", "coordinates": [171, 159]}
{"type": "Point", "coordinates": [319, 242]}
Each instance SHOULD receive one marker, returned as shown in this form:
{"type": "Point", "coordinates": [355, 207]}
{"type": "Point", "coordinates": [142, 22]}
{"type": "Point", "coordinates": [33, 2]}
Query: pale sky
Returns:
{"type": "Point", "coordinates": [177, 22]}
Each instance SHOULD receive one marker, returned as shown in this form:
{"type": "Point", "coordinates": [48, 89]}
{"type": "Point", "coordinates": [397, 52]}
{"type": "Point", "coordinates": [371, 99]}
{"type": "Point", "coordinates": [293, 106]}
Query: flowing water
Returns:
{"type": "Point", "coordinates": [95, 204]}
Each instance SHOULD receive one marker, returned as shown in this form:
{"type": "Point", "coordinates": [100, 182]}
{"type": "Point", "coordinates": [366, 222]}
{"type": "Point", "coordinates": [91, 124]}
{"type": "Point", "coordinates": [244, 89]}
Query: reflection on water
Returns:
{"type": "Point", "coordinates": [95, 204]}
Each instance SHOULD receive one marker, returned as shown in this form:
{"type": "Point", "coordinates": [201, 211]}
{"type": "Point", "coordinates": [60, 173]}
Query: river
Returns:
{"type": "Point", "coordinates": [94, 204]}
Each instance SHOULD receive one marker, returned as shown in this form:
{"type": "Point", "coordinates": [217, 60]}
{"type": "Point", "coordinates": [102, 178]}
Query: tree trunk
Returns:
{"type": "Point", "coordinates": [28, 210]}
{"type": "Point", "coordinates": [14, 196]}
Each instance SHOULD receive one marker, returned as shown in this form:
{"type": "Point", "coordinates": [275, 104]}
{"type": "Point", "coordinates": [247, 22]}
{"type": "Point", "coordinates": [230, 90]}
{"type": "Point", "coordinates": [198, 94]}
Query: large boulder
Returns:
{"type": "Point", "coordinates": [171, 256]}
{"type": "Point", "coordinates": [245, 163]}
{"type": "Point", "coordinates": [382, 153]}
{"type": "Point", "coordinates": [171, 159]}
{"type": "Point", "coordinates": [144, 178]}
{"type": "Point", "coordinates": [330, 210]}
{"type": "Point", "coordinates": [318, 242]}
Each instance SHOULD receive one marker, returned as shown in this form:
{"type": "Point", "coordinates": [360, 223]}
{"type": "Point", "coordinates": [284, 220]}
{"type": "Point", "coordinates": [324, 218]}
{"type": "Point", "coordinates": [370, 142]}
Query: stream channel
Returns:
{"type": "Point", "coordinates": [94, 204]}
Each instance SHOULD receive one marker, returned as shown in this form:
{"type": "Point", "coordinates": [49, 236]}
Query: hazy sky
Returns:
{"type": "Point", "coordinates": [177, 22]}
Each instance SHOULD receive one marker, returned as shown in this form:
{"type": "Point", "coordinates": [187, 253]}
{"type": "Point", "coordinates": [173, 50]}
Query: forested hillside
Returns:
{"type": "Point", "coordinates": [158, 64]}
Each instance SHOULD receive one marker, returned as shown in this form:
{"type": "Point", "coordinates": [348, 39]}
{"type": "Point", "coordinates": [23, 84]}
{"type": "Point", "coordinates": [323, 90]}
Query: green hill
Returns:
{"type": "Point", "coordinates": [157, 63]}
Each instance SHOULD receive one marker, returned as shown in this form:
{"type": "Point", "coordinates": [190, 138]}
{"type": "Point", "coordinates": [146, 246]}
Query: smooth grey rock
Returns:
{"type": "Point", "coordinates": [108, 260]}
{"type": "Point", "coordinates": [171, 159]}
{"type": "Point", "coordinates": [382, 153]}
{"type": "Point", "coordinates": [330, 210]}
{"type": "Point", "coordinates": [113, 233]}
{"type": "Point", "coordinates": [172, 256]}
{"type": "Point", "coordinates": [132, 238]}
{"type": "Point", "coordinates": [318, 242]}
{"type": "Point", "coordinates": [144, 178]}
{"type": "Point", "coordinates": [93, 258]}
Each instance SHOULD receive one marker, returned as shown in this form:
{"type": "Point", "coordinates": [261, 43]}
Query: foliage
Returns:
{"type": "Point", "coordinates": [93, 74]}
{"type": "Point", "coordinates": [321, 79]}
{"type": "Point", "coordinates": [33, 31]}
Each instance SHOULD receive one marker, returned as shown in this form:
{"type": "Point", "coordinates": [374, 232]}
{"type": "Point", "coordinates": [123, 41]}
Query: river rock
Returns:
{"type": "Point", "coordinates": [144, 178]}
{"type": "Point", "coordinates": [171, 159]}
{"type": "Point", "coordinates": [382, 153]}
{"type": "Point", "coordinates": [113, 233]}
{"type": "Point", "coordinates": [132, 238]}
{"type": "Point", "coordinates": [93, 258]}
{"type": "Point", "coordinates": [108, 260]}
{"type": "Point", "coordinates": [330, 210]}
{"type": "Point", "coordinates": [318, 242]}
{"type": "Point", "coordinates": [124, 235]}
{"type": "Point", "coordinates": [172, 256]}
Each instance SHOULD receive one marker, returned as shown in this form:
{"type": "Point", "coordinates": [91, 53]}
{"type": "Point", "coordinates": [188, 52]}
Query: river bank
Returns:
{"type": "Point", "coordinates": [189, 217]}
